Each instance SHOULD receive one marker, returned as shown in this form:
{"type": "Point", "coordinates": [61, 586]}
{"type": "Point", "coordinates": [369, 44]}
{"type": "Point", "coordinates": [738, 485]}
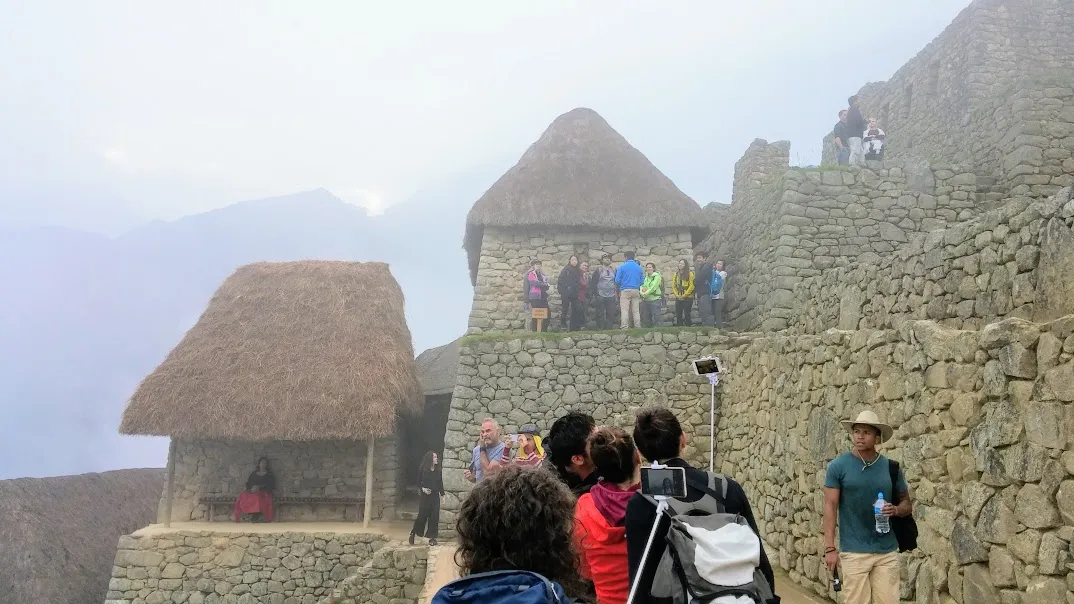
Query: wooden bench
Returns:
{"type": "Point", "coordinates": [229, 500]}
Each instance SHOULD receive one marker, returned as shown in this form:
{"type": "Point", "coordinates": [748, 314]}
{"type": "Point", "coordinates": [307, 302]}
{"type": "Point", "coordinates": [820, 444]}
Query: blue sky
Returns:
{"type": "Point", "coordinates": [179, 108]}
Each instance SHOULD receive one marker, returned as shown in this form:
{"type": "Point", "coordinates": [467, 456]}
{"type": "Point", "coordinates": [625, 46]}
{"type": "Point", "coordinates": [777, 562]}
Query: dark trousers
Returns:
{"type": "Point", "coordinates": [717, 312]}
{"type": "Point", "coordinates": [606, 311]}
{"type": "Point", "coordinates": [650, 313]}
{"type": "Point", "coordinates": [542, 303]}
{"type": "Point", "coordinates": [683, 308]}
{"type": "Point", "coordinates": [573, 315]}
{"type": "Point", "coordinates": [428, 521]}
{"type": "Point", "coordinates": [704, 309]}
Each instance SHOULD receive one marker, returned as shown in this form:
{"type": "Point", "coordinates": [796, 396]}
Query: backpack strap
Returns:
{"type": "Point", "coordinates": [893, 471]}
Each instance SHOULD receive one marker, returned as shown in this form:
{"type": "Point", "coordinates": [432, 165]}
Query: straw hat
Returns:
{"type": "Point", "coordinates": [869, 418]}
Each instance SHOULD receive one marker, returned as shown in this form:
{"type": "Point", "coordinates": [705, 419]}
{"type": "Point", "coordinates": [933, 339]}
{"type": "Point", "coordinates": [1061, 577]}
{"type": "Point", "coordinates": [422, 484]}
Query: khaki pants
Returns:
{"type": "Point", "coordinates": [629, 306]}
{"type": "Point", "coordinates": [869, 578]}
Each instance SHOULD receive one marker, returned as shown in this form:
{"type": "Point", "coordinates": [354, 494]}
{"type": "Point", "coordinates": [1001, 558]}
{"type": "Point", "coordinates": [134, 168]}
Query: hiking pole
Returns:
{"type": "Point", "coordinates": [714, 378]}
{"type": "Point", "coordinates": [661, 507]}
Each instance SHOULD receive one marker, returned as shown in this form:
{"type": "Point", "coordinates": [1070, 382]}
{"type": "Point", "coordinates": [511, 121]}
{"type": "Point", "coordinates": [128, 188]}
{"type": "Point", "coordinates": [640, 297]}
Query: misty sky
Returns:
{"type": "Point", "coordinates": [179, 108]}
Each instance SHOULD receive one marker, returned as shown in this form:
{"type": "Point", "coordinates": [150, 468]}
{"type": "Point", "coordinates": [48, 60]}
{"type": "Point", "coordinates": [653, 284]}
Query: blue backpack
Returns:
{"type": "Point", "coordinates": [501, 587]}
{"type": "Point", "coordinates": [717, 282]}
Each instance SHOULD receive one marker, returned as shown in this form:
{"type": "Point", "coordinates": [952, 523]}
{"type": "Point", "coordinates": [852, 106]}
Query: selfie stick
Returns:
{"type": "Point", "coordinates": [661, 507]}
{"type": "Point", "coordinates": [714, 378]}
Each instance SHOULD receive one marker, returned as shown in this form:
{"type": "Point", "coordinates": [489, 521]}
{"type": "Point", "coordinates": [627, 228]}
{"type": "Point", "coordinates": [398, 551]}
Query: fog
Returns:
{"type": "Point", "coordinates": [130, 132]}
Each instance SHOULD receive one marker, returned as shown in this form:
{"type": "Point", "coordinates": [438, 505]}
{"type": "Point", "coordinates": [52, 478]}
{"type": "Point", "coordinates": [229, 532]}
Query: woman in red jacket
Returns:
{"type": "Point", "coordinates": [598, 526]}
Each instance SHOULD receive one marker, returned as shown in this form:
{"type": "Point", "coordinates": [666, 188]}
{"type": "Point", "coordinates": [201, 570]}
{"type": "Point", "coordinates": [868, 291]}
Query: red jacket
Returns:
{"type": "Point", "coordinates": [603, 552]}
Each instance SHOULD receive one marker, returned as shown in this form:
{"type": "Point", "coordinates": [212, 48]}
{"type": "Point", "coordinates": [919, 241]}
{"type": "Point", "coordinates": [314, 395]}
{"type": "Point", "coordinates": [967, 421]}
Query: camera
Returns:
{"type": "Point", "coordinates": [837, 584]}
{"type": "Point", "coordinates": [708, 366]}
{"type": "Point", "coordinates": [664, 482]}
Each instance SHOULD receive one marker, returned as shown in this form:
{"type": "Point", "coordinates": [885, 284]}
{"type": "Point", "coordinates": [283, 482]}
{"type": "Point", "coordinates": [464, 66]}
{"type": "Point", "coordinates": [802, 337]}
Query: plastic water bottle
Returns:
{"type": "Point", "coordinates": [883, 524]}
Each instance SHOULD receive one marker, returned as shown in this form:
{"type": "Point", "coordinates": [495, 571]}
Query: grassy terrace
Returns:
{"type": "Point", "coordinates": [500, 336]}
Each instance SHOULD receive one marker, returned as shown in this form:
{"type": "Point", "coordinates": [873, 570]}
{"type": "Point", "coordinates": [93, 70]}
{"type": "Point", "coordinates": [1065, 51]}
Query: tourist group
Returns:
{"type": "Point", "coordinates": [852, 148]}
{"type": "Point", "coordinates": [567, 521]}
{"type": "Point", "coordinates": [637, 294]}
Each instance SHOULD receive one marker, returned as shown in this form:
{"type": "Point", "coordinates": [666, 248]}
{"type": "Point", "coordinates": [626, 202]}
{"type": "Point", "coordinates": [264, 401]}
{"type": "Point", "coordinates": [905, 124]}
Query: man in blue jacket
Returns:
{"type": "Point", "coordinates": [628, 278]}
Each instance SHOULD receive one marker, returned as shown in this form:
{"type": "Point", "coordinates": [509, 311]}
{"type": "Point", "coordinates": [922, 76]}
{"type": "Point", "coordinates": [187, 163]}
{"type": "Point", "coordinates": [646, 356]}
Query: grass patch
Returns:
{"type": "Point", "coordinates": [822, 168]}
{"type": "Point", "coordinates": [500, 336]}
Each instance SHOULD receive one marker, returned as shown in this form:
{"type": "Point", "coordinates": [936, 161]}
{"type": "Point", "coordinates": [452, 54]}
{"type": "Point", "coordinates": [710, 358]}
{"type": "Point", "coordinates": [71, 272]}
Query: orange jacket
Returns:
{"type": "Point", "coordinates": [603, 552]}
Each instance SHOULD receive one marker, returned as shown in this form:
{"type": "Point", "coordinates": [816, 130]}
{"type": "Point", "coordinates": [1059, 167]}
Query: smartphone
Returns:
{"type": "Point", "coordinates": [664, 482]}
{"type": "Point", "coordinates": [707, 366]}
{"type": "Point", "coordinates": [512, 437]}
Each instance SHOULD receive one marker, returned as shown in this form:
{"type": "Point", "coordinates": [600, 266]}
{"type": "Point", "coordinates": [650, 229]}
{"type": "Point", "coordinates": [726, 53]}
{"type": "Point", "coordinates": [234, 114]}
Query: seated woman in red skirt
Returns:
{"type": "Point", "coordinates": [257, 498]}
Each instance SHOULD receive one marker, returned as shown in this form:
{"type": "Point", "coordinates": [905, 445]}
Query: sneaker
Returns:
{"type": "Point", "coordinates": [411, 538]}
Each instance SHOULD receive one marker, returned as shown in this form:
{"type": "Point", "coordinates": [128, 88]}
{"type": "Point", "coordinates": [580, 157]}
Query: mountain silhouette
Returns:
{"type": "Point", "coordinates": [85, 316]}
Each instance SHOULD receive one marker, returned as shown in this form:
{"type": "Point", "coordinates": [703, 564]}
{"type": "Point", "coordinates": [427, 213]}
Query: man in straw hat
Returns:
{"type": "Point", "coordinates": [869, 560]}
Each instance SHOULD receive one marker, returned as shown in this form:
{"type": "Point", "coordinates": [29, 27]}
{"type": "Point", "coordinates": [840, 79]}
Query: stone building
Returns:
{"type": "Point", "coordinates": [436, 373]}
{"type": "Point", "coordinates": [992, 92]}
{"type": "Point", "coordinates": [580, 189]}
{"type": "Point", "coordinates": [306, 363]}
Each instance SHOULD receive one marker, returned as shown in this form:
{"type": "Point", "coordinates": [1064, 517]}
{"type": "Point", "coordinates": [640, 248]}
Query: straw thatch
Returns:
{"type": "Point", "coordinates": [580, 173]}
{"type": "Point", "coordinates": [58, 535]}
{"type": "Point", "coordinates": [436, 368]}
{"type": "Point", "coordinates": [287, 351]}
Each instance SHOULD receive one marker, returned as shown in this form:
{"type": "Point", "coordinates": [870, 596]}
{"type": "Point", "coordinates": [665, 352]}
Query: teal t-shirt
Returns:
{"type": "Point", "coordinates": [857, 492]}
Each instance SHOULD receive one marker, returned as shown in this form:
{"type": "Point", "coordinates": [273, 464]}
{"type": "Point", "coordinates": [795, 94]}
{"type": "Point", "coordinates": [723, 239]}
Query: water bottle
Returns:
{"type": "Point", "coordinates": [883, 524]}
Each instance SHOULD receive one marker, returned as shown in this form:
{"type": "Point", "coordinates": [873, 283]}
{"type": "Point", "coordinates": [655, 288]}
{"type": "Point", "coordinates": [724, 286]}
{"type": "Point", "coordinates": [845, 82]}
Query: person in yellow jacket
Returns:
{"type": "Point", "coordinates": [652, 296]}
{"type": "Point", "coordinates": [682, 288]}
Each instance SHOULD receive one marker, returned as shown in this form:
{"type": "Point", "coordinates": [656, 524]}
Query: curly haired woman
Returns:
{"type": "Point", "coordinates": [600, 531]}
{"type": "Point", "coordinates": [515, 541]}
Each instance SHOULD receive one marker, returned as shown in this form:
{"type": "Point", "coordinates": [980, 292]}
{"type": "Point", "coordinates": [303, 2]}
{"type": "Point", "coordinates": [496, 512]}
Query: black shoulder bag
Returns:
{"type": "Point", "coordinates": [904, 527]}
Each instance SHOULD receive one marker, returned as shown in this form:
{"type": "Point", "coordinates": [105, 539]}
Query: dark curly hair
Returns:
{"type": "Point", "coordinates": [612, 452]}
{"type": "Point", "coordinates": [521, 518]}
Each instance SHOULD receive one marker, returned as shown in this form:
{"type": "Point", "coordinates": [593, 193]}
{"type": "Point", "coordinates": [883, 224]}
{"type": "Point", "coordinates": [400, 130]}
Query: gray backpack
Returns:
{"type": "Point", "coordinates": [711, 555]}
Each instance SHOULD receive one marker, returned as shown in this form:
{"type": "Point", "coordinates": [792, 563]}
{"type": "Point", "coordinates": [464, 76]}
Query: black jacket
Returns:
{"type": "Point", "coordinates": [432, 480]}
{"type": "Point", "coordinates": [570, 282]}
{"type": "Point", "coordinates": [640, 515]}
{"type": "Point", "coordinates": [703, 279]}
{"type": "Point", "coordinates": [855, 123]}
{"type": "Point", "coordinates": [841, 132]}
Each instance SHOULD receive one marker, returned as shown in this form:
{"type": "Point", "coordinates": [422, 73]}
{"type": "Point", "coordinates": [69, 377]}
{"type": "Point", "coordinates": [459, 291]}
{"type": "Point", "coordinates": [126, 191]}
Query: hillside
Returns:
{"type": "Point", "coordinates": [58, 535]}
{"type": "Point", "coordinates": [84, 316]}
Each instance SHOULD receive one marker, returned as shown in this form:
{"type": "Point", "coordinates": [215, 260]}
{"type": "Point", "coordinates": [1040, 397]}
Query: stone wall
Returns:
{"type": "Point", "coordinates": [302, 469]}
{"type": "Point", "coordinates": [983, 423]}
{"type": "Point", "coordinates": [964, 97]}
{"type": "Point", "coordinates": [1011, 261]}
{"type": "Point", "coordinates": [744, 234]}
{"type": "Point", "coordinates": [270, 568]}
{"type": "Point", "coordinates": [536, 380]}
{"type": "Point", "coordinates": [506, 253]}
{"type": "Point", "coordinates": [800, 223]}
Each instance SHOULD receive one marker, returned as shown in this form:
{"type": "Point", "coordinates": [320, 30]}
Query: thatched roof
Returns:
{"type": "Point", "coordinates": [58, 535]}
{"type": "Point", "coordinates": [287, 351]}
{"type": "Point", "coordinates": [580, 173]}
{"type": "Point", "coordinates": [436, 368]}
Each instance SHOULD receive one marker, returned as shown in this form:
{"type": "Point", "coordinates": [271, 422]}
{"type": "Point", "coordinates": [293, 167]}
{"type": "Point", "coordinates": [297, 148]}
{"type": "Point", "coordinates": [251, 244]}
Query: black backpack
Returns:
{"type": "Point", "coordinates": [904, 527]}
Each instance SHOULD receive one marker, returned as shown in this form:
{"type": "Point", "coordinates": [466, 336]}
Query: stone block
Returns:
{"type": "Point", "coordinates": [1045, 590]}
{"type": "Point", "coordinates": [1001, 567]}
{"type": "Point", "coordinates": [1065, 501]}
{"type": "Point", "coordinates": [1018, 361]}
{"type": "Point", "coordinates": [1035, 508]}
{"type": "Point", "coordinates": [142, 558]}
{"type": "Point", "coordinates": [1053, 555]}
{"type": "Point", "coordinates": [1055, 273]}
{"type": "Point", "coordinates": [1044, 425]}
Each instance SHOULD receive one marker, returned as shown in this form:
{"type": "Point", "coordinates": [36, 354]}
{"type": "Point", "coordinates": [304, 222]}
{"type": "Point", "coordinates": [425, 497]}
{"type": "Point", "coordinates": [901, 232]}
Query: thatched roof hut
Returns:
{"type": "Point", "coordinates": [287, 351]}
{"type": "Point", "coordinates": [59, 534]}
{"type": "Point", "coordinates": [436, 368]}
{"type": "Point", "coordinates": [580, 173]}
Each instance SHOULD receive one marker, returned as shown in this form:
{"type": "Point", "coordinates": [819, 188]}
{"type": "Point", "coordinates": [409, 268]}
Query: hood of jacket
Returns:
{"type": "Point", "coordinates": [501, 587]}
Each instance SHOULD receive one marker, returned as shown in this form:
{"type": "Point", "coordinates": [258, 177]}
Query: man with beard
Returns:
{"type": "Point", "coordinates": [488, 454]}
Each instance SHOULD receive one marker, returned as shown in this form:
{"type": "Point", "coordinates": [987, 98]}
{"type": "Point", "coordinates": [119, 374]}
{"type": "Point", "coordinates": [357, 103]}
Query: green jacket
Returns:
{"type": "Point", "coordinates": [653, 287]}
